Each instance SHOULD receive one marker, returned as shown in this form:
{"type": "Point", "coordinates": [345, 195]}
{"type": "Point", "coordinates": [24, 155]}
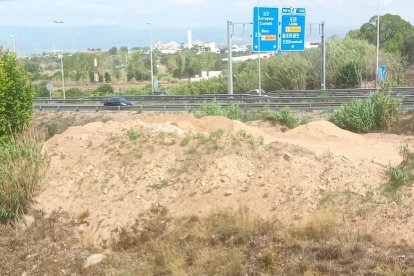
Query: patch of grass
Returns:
{"type": "Point", "coordinates": [400, 175]}
{"type": "Point", "coordinates": [255, 142]}
{"type": "Point", "coordinates": [319, 227]}
{"type": "Point", "coordinates": [133, 134]}
{"type": "Point", "coordinates": [51, 128]}
{"type": "Point", "coordinates": [22, 169]}
{"type": "Point", "coordinates": [186, 140]}
{"type": "Point", "coordinates": [212, 139]}
{"type": "Point", "coordinates": [162, 184]}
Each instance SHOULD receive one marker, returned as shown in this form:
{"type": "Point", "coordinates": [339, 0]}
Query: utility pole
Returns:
{"type": "Point", "coordinates": [60, 55]}
{"type": "Point", "coordinates": [13, 38]}
{"type": "Point", "coordinates": [152, 66]}
{"type": "Point", "coordinates": [323, 47]}
{"type": "Point", "coordinates": [323, 85]}
{"type": "Point", "coordinates": [378, 42]}
{"type": "Point", "coordinates": [229, 59]}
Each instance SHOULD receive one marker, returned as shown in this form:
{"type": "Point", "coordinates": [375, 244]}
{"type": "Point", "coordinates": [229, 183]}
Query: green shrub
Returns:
{"type": "Point", "coordinates": [133, 134]}
{"type": "Point", "coordinates": [357, 115]}
{"type": "Point", "coordinates": [74, 92]}
{"type": "Point", "coordinates": [22, 168]}
{"type": "Point", "coordinates": [386, 109]}
{"type": "Point", "coordinates": [402, 174]}
{"type": "Point", "coordinates": [379, 111]}
{"type": "Point", "coordinates": [286, 117]}
{"type": "Point", "coordinates": [105, 89]}
{"type": "Point", "coordinates": [210, 109]}
{"type": "Point", "coordinates": [16, 96]}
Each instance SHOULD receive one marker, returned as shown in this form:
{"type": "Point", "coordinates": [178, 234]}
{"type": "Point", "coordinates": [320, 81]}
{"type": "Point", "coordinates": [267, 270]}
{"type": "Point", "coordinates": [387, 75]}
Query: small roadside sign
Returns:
{"type": "Point", "coordinates": [49, 87]}
{"type": "Point", "coordinates": [382, 73]}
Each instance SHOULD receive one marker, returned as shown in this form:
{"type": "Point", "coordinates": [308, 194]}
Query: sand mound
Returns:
{"type": "Point", "coordinates": [324, 129]}
{"type": "Point", "coordinates": [107, 180]}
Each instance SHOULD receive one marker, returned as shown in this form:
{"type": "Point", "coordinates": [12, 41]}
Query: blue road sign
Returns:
{"type": "Point", "coordinates": [382, 73]}
{"type": "Point", "coordinates": [293, 29]}
{"type": "Point", "coordinates": [265, 29]}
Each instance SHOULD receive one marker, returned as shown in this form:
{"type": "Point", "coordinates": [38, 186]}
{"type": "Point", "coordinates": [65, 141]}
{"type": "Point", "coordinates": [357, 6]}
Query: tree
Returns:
{"type": "Point", "coordinates": [107, 77]}
{"type": "Point", "coordinates": [394, 33]}
{"type": "Point", "coordinates": [349, 76]}
{"type": "Point", "coordinates": [113, 51]}
{"type": "Point", "coordinates": [16, 96]}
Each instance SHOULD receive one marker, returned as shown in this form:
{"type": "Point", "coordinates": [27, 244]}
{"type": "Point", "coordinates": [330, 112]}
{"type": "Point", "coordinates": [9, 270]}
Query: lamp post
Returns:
{"type": "Point", "coordinates": [13, 38]}
{"type": "Point", "coordinates": [60, 55]}
{"type": "Point", "coordinates": [378, 42]}
{"type": "Point", "coordinates": [152, 66]}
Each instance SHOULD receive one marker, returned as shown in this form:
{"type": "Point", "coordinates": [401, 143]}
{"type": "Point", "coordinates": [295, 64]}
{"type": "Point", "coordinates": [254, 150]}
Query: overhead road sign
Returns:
{"type": "Point", "coordinates": [293, 29]}
{"type": "Point", "coordinates": [265, 29]}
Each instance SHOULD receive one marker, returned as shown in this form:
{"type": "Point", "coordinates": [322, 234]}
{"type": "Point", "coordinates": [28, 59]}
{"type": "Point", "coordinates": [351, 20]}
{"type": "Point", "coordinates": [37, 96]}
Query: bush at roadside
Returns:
{"type": "Point", "coordinates": [380, 111]}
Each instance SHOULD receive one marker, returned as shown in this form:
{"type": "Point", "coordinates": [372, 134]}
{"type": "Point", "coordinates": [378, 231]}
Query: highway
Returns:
{"type": "Point", "coordinates": [309, 100]}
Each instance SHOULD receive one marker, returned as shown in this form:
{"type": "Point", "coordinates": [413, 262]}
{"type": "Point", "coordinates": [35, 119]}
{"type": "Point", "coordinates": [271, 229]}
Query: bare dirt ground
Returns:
{"type": "Point", "coordinates": [112, 170]}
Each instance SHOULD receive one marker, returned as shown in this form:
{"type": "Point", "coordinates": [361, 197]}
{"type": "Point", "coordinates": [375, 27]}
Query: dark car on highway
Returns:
{"type": "Point", "coordinates": [117, 101]}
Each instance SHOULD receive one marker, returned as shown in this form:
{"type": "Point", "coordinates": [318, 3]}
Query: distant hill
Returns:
{"type": "Point", "coordinates": [31, 40]}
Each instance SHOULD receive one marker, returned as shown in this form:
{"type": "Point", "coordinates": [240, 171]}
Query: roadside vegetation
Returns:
{"type": "Point", "coordinates": [350, 64]}
{"type": "Point", "coordinates": [284, 116]}
{"type": "Point", "coordinates": [400, 175]}
{"type": "Point", "coordinates": [379, 112]}
{"type": "Point", "coordinates": [23, 162]}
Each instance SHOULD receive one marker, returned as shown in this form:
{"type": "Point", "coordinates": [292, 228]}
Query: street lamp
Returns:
{"type": "Point", "coordinates": [152, 66]}
{"type": "Point", "coordinates": [60, 55]}
{"type": "Point", "coordinates": [378, 41]}
{"type": "Point", "coordinates": [13, 38]}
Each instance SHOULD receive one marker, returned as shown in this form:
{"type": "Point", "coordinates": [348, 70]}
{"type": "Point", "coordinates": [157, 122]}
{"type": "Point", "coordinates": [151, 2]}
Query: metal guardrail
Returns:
{"type": "Point", "coordinates": [197, 107]}
{"type": "Point", "coordinates": [296, 100]}
{"type": "Point", "coordinates": [271, 96]}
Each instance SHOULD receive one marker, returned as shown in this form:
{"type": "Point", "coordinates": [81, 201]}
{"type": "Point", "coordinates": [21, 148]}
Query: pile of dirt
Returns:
{"type": "Point", "coordinates": [106, 173]}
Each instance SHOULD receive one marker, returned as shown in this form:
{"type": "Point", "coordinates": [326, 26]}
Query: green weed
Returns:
{"type": "Point", "coordinates": [133, 134]}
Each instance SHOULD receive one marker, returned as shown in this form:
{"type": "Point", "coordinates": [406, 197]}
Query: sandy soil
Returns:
{"type": "Point", "coordinates": [102, 177]}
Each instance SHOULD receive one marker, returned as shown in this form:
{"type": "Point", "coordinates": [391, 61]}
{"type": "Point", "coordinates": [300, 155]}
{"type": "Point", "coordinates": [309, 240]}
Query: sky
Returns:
{"type": "Point", "coordinates": [187, 13]}
{"type": "Point", "coordinates": [107, 23]}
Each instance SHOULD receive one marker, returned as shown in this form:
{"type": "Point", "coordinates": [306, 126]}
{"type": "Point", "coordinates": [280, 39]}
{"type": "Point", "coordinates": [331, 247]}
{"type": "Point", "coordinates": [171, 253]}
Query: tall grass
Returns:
{"type": "Point", "coordinates": [22, 169]}
{"type": "Point", "coordinates": [380, 111]}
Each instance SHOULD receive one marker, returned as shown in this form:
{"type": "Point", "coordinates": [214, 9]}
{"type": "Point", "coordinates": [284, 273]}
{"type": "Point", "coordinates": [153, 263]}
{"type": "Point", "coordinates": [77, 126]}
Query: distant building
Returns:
{"type": "Point", "coordinates": [168, 48]}
{"type": "Point", "coordinates": [205, 75]}
{"type": "Point", "coordinates": [202, 47]}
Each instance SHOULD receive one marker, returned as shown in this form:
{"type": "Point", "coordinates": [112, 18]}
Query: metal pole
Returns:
{"type": "Point", "coordinates": [63, 76]}
{"type": "Point", "coordinates": [13, 43]}
{"type": "Point", "coordinates": [259, 38]}
{"type": "Point", "coordinates": [323, 86]}
{"type": "Point", "coordinates": [230, 59]}
{"type": "Point", "coordinates": [61, 64]}
{"type": "Point", "coordinates": [378, 42]}
{"type": "Point", "coordinates": [152, 66]}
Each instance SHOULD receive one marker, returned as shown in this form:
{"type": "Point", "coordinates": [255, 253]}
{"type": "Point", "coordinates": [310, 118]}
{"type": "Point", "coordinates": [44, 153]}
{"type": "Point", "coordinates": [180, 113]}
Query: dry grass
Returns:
{"type": "Point", "coordinates": [238, 243]}
{"type": "Point", "coordinates": [22, 169]}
